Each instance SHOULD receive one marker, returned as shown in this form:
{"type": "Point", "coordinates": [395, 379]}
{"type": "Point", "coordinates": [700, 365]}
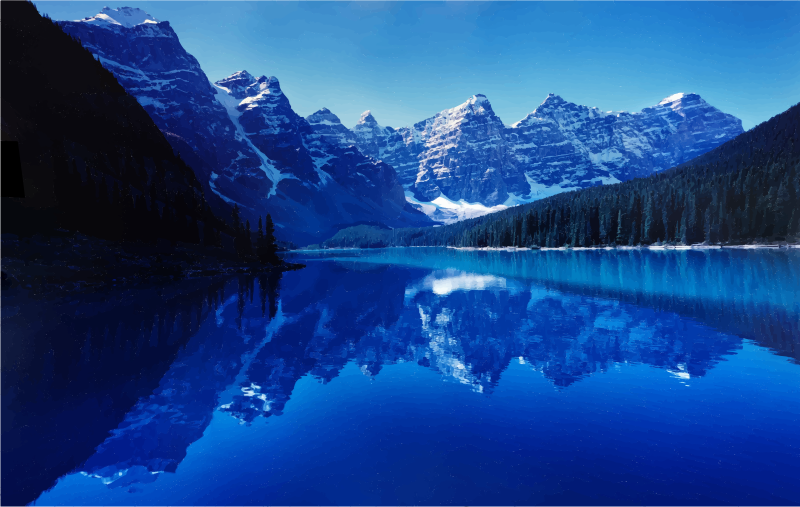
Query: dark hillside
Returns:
{"type": "Point", "coordinates": [92, 159]}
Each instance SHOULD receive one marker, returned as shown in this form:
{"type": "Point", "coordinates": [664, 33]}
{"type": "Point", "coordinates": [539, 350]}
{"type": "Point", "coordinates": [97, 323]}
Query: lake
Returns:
{"type": "Point", "coordinates": [415, 376]}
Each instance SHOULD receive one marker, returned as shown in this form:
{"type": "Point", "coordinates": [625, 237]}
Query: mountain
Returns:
{"type": "Point", "coordinates": [92, 159]}
{"type": "Point", "coordinates": [147, 58]}
{"type": "Point", "coordinates": [464, 161]}
{"type": "Point", "coordinates": [744, 191]}
{"type": "Point", "coordinates": [322, 183]}
{"type": "Point", "coordinates": [592, 146]}
{"type": "Point", "coordinates": [249, 147]}
{"type": "Point", "coordinates": [245, 142]}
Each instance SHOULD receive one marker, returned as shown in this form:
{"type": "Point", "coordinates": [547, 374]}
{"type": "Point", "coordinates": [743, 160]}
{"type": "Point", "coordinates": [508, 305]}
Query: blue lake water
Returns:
{"type": "Point", "coordinates": [416, 376]}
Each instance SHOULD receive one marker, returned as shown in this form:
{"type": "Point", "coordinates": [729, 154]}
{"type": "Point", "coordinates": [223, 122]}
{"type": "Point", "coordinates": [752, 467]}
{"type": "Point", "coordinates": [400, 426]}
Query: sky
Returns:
{"type": "Point", "coordinates": [406, 61]}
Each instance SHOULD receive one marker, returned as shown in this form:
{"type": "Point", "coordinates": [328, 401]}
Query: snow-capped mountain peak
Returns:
{"type": "Point", "coordinates": [323, 117]}
{"type": "Point", "coordinates": [126, 17]}
{"type": "Point", "coordinates": [477, 104]}
{"type": "Point", "coordinates": [673, 98]}
{"type": "Point", "coordinates": [682, 103]}
{"type": "Point", "coordinates": [266, 92]}
{"type": "Point", "coordinates": [552, 101]}
{"type": "Point", "coordinates": [242, 85]}
{"type": "Point", "coordinates": [267, 84]}
{"type": "Point", "coordinates": [371, 137]}
{"type": "Point", "coordinates": [367, 119]}
{"type": "Point", "coordinates": [236, 84]}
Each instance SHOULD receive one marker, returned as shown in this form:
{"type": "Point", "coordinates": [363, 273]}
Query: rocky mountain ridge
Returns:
{"type": "Point", "coordinates": [242, 137]}
{"type": "Point", "coordinates": [465, 157]}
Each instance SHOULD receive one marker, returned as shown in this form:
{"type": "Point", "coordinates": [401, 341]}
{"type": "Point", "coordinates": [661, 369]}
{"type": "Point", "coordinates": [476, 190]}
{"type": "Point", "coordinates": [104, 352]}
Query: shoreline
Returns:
{"type": "Point", "coordinates": [697, 246]}
{"type": "Point", "coordinates": [75, 262]}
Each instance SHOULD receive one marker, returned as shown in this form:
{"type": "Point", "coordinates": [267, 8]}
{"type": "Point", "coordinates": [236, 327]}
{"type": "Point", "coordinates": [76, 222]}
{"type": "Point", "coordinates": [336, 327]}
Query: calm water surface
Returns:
{"type": "Point", "coordinates": [415, 376]}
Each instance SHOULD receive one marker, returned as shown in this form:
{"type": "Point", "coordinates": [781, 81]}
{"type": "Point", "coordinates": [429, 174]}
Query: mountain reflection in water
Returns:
{"type": "Point", "coordinates": [140, 378]}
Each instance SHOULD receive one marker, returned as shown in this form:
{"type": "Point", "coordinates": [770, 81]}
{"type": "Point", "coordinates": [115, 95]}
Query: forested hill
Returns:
{"type": "Point", "coordinates": [746, 190]}
{"type": "Point", "coordinates": [92, 159]}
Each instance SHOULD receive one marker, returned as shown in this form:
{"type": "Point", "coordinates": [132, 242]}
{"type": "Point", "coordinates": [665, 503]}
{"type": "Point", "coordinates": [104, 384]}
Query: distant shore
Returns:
{"type": "Point", "coordinates": [698, 246]}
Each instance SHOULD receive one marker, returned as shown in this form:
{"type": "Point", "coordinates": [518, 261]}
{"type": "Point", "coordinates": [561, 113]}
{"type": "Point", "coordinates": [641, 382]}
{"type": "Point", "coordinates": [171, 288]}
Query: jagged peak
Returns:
{"type": "Point", "coordinates": [477, 104]}
{"type": "Point", "coordinates": [126, 17]}
{"type": "Point", "coordinates": [323, 116]}
{"type": "Point", "coordinates": [237, 83]}
{"type": "Point", "coordinates": [367, 118]}
{"type": "Point", "coordinates": [679, 98]}
{"type": "Point", "coordinates": [241, 78]}
{"type": "Point", "coordinates": [242, 74]}
{"type": "Point", "coordinates": [672, 98]}
{"type": "Point", "coordinates": [552, 99]}
{"type": "Point", "coordinates": [545, 109]}
{"type": "Point", "coordinates": [268, 82]}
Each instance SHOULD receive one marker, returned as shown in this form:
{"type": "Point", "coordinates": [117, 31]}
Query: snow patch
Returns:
{"type": "Point", "coordinates": [672, 98]}
{"type": "Point", "coordinates": [126, 17]}
{"type": "Point", "coordinates": [448, 211]}
{"type": "Point", "coordinates": [230, 104]}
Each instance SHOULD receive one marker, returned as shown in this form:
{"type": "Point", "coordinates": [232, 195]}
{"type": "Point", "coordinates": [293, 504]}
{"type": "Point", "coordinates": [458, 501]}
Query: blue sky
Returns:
{"type": "Point", "coordinates": [406, 61]}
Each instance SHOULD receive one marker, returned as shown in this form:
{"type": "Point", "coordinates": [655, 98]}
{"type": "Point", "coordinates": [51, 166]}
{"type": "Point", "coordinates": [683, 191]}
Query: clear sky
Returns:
{"type": "Point", "coordinates": [406, 61]}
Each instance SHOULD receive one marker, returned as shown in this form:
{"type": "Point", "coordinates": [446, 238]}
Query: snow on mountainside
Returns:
{"type": "Point", "coordinates": [464, 161]}
{"type": "Point", "coordinates": [242, 137]}
{"type": "Point", "coordinates": [126, 17]}
{"type": "Point", "coordinates": [149, 61]}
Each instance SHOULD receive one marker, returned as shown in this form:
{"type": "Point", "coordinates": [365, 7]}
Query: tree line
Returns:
{"type": "Point", "coordinates": [266, 247]}
{"type": "Point", "coordinates": [124, 207]}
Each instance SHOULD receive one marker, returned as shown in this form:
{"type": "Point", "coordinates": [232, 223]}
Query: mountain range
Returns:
{"type": "Point", "coordinates": [465, 155]}
{"type": "Point", "coordinates": [316, 176]}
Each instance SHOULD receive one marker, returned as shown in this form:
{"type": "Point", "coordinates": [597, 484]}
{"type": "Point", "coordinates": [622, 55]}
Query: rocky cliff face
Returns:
{"type": "Point", "coordinates": [147, 58]}
{"type": "Point", "coordinates": [333, 147]}
{"type": "Point", "coordinates": [244, 140]}
{"type": "Point", "coordinates": [465, 157]}
{"type": "Point", "coordinates": [322, 181]}
{"type": "Point", "coordinates": [561, 143]}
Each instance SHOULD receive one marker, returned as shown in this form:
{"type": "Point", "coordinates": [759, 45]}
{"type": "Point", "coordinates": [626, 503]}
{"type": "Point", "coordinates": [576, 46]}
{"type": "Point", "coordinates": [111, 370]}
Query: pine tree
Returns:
{"type": "Point", "coordinates": [620, 230]}
{"type": "Point", "coordinates": [782, 205]}
{"type": "Point", "coordinates": [603, 226]}
{"type": "Point", "coordinates": [248, 241]}
{"type": "Point", "coordinates": [237, 231]}
{"type": "Point", "coordinates": [665, 220]}
{"type": "Point", "coordinates": [268, 251]}
{"type": "Point", "coordinates": [683, 233]}
{"type": "Point", "coordinates": [260, 244]}
{"type": "Point", "coordinates": [236, 220]}
{"type": "Point", "coordinates": [649, 221]}
{"type": "Point", "coordinates": [691, 221]}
